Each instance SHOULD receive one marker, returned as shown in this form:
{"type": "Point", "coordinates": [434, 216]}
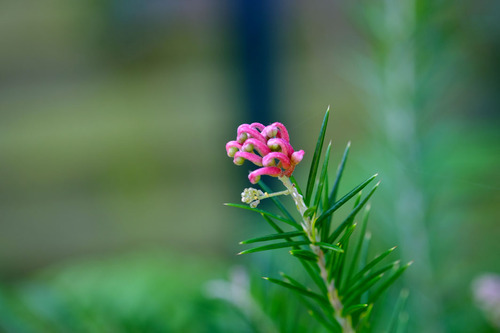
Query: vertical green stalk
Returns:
{"type": "Point", "coordinates": [308, 225]}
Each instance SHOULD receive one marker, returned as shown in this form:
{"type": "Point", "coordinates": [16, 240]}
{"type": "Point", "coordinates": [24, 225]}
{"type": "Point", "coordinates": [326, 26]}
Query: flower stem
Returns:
{"type": "Point", "coordinates": [314, 237]}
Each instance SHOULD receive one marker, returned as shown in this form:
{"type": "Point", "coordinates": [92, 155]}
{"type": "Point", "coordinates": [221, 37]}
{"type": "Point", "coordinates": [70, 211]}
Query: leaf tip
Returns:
{"type": "Point", "coordinates": [265, 278]}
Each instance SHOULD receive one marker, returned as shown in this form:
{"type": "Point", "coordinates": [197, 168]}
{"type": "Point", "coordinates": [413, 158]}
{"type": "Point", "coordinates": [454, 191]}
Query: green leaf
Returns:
{"type": "Point", "coordinates": [310, 211]}
{"type": "Point", "coordinates": [347, 311]}
{"type": "Point", "coordinates": [376, 294]}
{"type": "Point", "coordinates": [292, 280]}
{"type": "Point", "coordinates": [273, 237]}
{"type": "Point", "coordinates": [315, 161]}
{"type": "Point", "coordinates": [348, 299]}
{"type": "Point", "coordinates": [344, 199]}
{"type": "Point", "coordinates": [300, 290]}
{"type": "Point", "coordinates": [364, 319]}
{"type": "Point", "coordinates": [276, 201]}
{"type": "Point", "coordinates": [330, 199]}
{"type": "Point", "coordinates": [340, 171]}
{"type": "Point", "coordinates": [304, 254]}
{"type": "Point", "coordinates": [344, 244]}
{"type": "Point", "coordinates": [323, 175]}
{"type": "Point", "coordinates": [274, 246]}
{"type": "Point", "coordinates": [367, 278]}
{"type": "Point", "coordinates": [274, 225]}
{"type": "Point", "coordinates": [331, 326]}
{"type": "Point", "coordinates": [263, 212]}
{"type": "Point", "coordinates": [313, 271]}
{"type": "Point", "coordinates": [329, 246]}
{"type": "Point", "coordinates": [399, 317]}
{"type": "Point", "coordinates": [355, 257]}
{"type": "Point", "coordinates": [348, 220]}
{"type": "Point", "coordinates": [372, 263]}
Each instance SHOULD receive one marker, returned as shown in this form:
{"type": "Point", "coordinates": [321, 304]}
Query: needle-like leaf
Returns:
{"type": "Point", "coordinates": [353, 308]}
{"type": "Point", "coordinates": [354, 259]}
{"type": "Point", "coordinates": [376, 294]}
{"type": "Point", "coordinates": [340, 171]}
{"type": "Point", "coordinates": [315, 160]}
{"type": "Point", "coordinates": [322, 177]}
{"type": "Point", "coordinates": [274, 246]}
{"type": "Point", "coordinates": [349, 219]}
{"type": "Point", "coordinates": [329, 246]}
{"type": "Point", "coordinates": [301, 290]}
{"type": "Point", "coordinates": [263, 212]}
{"type": "Point", "coordinates": [372, 263]}
{"type": "Point", "coordinates": [304, 254]}
{"type": "Point", "coordinates": [273, 237]}
{"type": "Point", "coordinates": [344, 199]}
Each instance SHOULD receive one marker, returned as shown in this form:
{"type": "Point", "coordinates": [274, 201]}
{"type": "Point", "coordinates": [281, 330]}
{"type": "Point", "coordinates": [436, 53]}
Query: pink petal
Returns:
{"type": "Point", "coordinates": [261, 148]}
{"type": "Point", "coordinates": [286, 147]}
{"type": "Point", "coordinates": [269, 159]}
{"type": "Point", "coordinates": [255, 159]}
{"type": "Point", "coordinates": [270, 131]}
{"type": "Point", "coordinates": [232, 144]}
{"type": "Point", "coordinates": [283, 131]}
{"type": "Point", "coordinates": [297, 157]}
{"type": "Point", "coordinates": [254, 176]}
{"type": "Point", "coordinates": [257, 126]}
{"type": "Point", "coordinates": [245, 128]}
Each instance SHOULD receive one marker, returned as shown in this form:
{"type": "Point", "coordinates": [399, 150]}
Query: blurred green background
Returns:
{"type": "Point", "coordinates": [113, 121]}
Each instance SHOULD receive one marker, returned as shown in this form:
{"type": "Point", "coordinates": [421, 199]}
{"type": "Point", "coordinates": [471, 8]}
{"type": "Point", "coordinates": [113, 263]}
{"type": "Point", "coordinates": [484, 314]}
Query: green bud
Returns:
{"type": "Point", "coordinates": [239, 161]}
{"type": "Point", "coordinates": [242, 138]}
{"type": "Point", "coordinates": [248, 148]}
{"type": "Point", "coordinates": [232, 151]}
{"type": "Point", "coordinates": [275, 147]}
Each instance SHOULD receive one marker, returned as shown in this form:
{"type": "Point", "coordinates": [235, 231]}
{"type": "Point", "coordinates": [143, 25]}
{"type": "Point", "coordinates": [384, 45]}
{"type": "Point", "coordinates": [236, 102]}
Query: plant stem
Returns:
{"type": "Point", "coordinates": [314, 237]}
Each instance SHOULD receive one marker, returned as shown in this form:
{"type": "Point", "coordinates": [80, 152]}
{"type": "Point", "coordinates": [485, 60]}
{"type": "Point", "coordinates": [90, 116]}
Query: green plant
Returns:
{"type": "Point", "coordinates": [345, 284]}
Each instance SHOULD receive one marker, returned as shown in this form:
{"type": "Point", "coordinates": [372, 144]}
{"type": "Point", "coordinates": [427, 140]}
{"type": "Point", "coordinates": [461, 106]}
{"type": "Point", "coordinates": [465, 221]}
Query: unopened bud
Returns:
{"type": "Point", "coordinates": [242, 138]}
{"type": "Point", "coordinates": [248, 147]}
{"type": "Point", "coordinates": [231, 151]}
{"type": "Point", "coordinates": [239, 160]}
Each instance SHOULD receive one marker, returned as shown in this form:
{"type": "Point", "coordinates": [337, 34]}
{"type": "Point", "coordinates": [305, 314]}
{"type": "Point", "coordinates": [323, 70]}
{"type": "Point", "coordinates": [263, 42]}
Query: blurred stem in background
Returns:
{"type": "Point", "coordinates": [398, 78]}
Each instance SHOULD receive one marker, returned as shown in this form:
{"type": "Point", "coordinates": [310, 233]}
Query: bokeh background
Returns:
{"type": "Point", "coordinates": [113, 121]}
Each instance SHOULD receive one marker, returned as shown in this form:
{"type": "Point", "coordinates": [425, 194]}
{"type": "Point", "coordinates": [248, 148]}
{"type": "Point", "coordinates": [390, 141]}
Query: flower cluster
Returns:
{"type": "Point", "coordinates": [265, 146]}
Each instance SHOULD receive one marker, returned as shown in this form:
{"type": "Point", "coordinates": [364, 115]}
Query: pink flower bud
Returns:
{"type": "Point", "coordinates": [261, 148]}
{"type": "Point", "coordinates": [297, 156]}
{"type": "Point", "coordinates": [272, 143]}
{"type": "Point", "coordinates": [254, 176]}
{"type": "Point", "coordinates": [255, 159]}
{"type": "Point", "coordinates": [268, 160]}
{"type": "Point", "coordinates": [257, 126]}
{"type": "Point", "coordinates": [250, 132]}
{"type": "Point", "coordinates": [283, 133]}
{"type": "Point", "coordinates": [232, 147]}
{"type": "Point", "coordinates": [283, 145]}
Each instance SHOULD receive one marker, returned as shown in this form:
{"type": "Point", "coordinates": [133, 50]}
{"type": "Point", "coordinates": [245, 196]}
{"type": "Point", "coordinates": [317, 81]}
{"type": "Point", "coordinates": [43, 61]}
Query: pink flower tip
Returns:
{"type": "Point", "coordinates": [254, 176]}
{"type": "Point", "coordinates": [297, 157]}
{"type": "Point", "coordinates": [272, 143]}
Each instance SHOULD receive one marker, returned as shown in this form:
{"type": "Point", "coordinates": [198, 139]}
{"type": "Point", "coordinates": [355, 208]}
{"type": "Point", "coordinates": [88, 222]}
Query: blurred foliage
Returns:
{"type": "Point", "coordinates": [113, 118]}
